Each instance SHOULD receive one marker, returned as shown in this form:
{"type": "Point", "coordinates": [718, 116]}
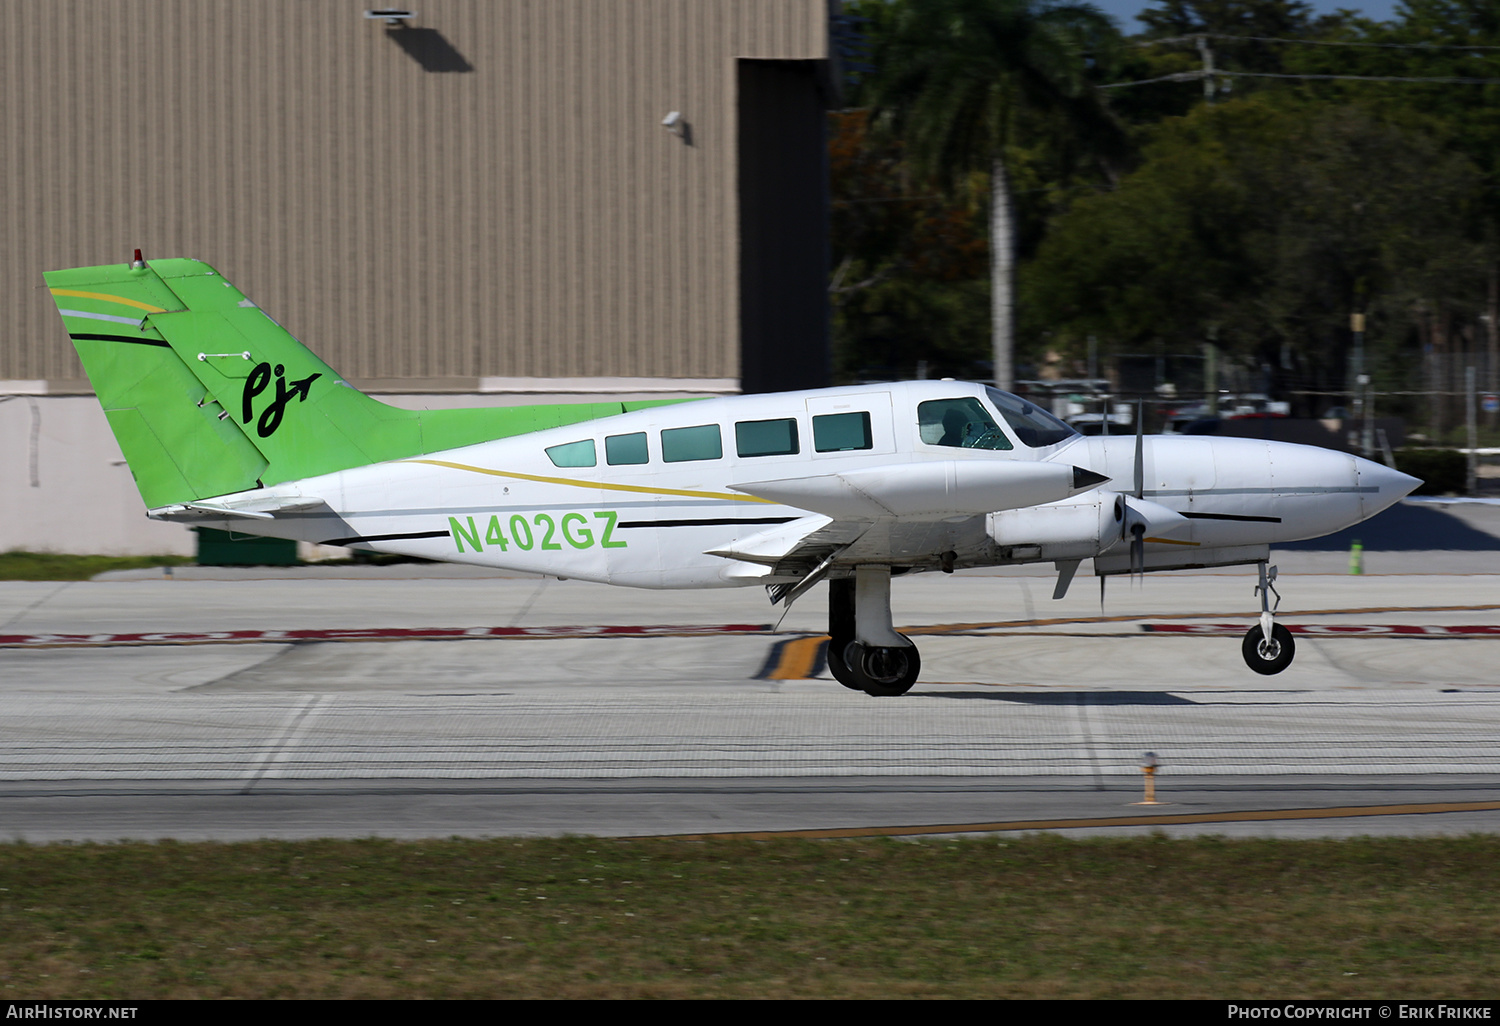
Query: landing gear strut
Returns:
{"type": "Point", "coordinates": [864, 652]}
{"type": "Point", "coordinates": [1268, 647]}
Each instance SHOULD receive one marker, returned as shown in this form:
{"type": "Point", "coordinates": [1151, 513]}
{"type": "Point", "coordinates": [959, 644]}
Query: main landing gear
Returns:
{"type": "Point", "coordinates": [1268, 647]}
{"type": "Point", "coordinates": [864, 651]}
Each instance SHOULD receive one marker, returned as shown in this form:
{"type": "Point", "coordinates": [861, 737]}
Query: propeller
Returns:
{"type": "Point", "coordinates": [1138, 518]}
{"type": "Point", "coordinates": [1138, 529]}
{"type": "Point", "coordinates": [1134, 517]}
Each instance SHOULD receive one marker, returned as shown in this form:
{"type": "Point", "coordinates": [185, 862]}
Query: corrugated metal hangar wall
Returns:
{"type": "Point", "coordinates": [481, 201]}
{"type": "Point", "coordinates": [488, 192]}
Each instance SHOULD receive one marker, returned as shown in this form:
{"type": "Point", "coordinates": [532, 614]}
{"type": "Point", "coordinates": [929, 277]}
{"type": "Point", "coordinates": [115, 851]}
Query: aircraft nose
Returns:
{"type": "Point", "coordinates": [1389, 486]}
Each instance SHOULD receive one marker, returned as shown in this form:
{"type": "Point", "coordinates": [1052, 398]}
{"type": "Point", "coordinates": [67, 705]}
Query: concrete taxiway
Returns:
{"type": "Point", "coordinates": [379, 702]}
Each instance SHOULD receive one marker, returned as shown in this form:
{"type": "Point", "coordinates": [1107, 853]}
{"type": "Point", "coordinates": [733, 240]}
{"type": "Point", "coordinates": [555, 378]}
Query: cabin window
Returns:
{"type": "Point", "coordinates": [573, 454]}
{"type": "Point", "coordinates": [766, 437]}
{"type": "Point", "coordinates": [625, 450]}
{"type": "Point", "coordinates": [683, 445]}
{"type": "Point", "coordinates": [842, 432]}
{"type": "Point", "coordinates": [1033, 425]}
{"type": "Point", "coordinates": [961, 423]}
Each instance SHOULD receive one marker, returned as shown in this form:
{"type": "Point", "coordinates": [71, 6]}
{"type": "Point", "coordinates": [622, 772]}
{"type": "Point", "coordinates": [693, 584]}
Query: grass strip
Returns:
{"type": "Point", "coordinates": [18, 565]}
{"type": "Point", "coordinates": [1022, 917]}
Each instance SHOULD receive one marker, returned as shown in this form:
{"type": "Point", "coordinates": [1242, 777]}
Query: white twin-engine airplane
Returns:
{"type": "Point", "coordinates": [228, 421]}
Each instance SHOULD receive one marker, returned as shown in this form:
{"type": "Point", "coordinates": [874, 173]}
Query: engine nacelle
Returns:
{"type": "Point", "coordinates": [1074, 529]}
{"type": "Point", "coordinates": [1078, 528]}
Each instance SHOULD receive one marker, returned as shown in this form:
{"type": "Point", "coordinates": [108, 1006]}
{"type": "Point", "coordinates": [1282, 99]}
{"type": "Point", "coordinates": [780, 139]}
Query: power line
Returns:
{"type": "Point", "coordinates": [1208, 72]}
{"type": "Point", "coordinates": [1365, 78]}
{"type": "Point", "coordinates": [1313, 42]}
{"type": "Point", "coordinates": [1193, 76]}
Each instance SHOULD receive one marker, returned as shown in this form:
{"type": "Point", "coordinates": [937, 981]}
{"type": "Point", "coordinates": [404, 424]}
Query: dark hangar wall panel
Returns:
{"type": "Point", "coordinates": [784, 316]}
{"type": "Point", "coordinates": [491, 195]}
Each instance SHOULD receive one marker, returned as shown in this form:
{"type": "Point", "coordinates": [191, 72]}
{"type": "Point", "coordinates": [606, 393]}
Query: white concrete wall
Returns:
{"type": "Point", "coordinates": [64, 486]}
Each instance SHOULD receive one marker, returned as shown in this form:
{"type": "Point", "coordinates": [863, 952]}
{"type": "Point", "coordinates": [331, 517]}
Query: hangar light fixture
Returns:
{"type": "Point", "coordinates": [391, 16]}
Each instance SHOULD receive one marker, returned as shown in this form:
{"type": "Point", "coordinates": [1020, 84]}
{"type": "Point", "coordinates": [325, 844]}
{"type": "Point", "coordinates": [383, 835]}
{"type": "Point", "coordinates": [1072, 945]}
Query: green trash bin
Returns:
{"type": "Point", "coordinates": [225, 548]}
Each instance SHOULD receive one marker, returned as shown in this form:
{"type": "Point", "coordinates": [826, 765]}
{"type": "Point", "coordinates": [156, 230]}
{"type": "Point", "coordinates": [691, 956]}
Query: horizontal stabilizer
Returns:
{"type": "Point", "coordinates": [940, 489]}
{"type": "Point", "coordinates": [261, 508]}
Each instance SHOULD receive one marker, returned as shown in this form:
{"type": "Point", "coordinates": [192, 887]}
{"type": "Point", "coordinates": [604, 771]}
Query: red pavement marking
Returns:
{"type": "Point", "coordinates": [657, 631]}
{"type": "Point", "coordinates": [369, 634]}
{"type": "Point", "coordinates": [1329, 629]}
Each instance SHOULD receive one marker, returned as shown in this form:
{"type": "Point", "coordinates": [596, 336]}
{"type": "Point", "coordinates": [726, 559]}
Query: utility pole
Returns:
{"type": "Point", "coordinates": [1361, 385]}
{"type": "Point", "coordinates": [1208, 68]}
{"type": "Point", "coordinates": [1492, 333]}
{"type": "Point", "coordinates": [1211, 371]}
{"type": "Point", "coordinates": [1471, 484]}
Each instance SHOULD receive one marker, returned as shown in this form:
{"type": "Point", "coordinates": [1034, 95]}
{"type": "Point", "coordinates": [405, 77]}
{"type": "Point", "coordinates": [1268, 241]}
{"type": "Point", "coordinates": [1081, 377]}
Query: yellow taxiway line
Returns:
{"type": "Point", "coordinates": [1159, 819]}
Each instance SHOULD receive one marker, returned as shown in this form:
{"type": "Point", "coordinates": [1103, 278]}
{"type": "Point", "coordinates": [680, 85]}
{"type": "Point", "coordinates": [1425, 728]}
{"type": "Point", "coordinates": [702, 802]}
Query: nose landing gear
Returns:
{"type": "Point", "coordinates": [1268, 647]}
{"type": "Point", "coordinates": [864, 652]}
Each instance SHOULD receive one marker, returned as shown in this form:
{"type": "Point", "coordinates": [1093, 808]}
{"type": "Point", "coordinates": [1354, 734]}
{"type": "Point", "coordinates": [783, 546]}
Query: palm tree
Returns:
{"type": "Point", "coordinates": [958, 81]}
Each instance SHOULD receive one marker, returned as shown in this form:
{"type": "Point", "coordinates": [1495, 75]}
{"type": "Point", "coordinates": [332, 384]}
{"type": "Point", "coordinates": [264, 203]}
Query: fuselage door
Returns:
{"type": "Point", "coordinates": [856, 424]}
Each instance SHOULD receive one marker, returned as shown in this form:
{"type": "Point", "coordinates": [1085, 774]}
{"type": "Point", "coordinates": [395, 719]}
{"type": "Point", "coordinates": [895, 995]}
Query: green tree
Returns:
{"type": "Point", "coordinates": [963, 82]}
{"type": "Point", "coordinates": [1269, 227]}
{"type": "Point", "coordinates": [908, 286]}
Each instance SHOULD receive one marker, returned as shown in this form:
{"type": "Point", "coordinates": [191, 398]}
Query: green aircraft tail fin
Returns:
{"type": "Point", "coordinates": [207, 395]}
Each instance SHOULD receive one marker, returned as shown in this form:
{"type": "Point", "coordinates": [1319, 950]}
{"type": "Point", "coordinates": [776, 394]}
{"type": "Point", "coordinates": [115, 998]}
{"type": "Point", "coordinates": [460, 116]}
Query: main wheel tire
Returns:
{"type": "Point", "coordinates": [1268, 657]}
{"type": "Point", "coordinates": [883, 672]}
{"type": "Point", "coordinates": [839, 668]}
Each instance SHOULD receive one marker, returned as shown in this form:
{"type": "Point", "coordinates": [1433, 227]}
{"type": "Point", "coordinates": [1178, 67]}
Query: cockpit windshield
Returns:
{"type": "Point", "coordinates": [1033, 425]}
{"type": "Point", "coordinates": [961, 423]}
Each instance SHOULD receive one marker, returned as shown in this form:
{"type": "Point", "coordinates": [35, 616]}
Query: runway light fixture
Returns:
{"type": "Point", "coordinates": [1149, 766]}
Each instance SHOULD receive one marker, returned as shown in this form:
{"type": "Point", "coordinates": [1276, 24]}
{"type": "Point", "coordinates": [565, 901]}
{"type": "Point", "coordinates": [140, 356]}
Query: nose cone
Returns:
{"type": "Point", "coordinates": [1380, 486]}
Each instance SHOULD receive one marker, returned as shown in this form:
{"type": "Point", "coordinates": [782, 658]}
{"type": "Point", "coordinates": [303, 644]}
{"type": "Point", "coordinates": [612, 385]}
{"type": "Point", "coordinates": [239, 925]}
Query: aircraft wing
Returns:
{"type": "Point", "coordinates": [923, 491]}
{"type": "Point", "coordinates": [874, 502]}
{"type": "Point", "coordinates": [793, 549]}
{"type": "Point", "coordinates": [803, 549]}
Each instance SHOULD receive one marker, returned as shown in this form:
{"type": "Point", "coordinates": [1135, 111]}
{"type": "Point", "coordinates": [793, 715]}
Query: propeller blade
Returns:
{"type": "Point", "coordinates": [1138, 552]}
{"type": "Point", "coordinates": [1140, 448]}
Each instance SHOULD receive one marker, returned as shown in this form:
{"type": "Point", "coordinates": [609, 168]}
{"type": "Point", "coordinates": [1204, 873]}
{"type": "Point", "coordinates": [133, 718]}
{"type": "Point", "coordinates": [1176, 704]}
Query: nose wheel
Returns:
{"type": "Point", "coordinates": [1268, 646]}
{"type": "Point", "coordinates": [1271, 655]}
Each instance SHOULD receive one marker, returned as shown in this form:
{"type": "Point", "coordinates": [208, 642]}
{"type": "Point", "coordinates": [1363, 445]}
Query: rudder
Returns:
{"type": "Point", "coordinates": [175, 437]}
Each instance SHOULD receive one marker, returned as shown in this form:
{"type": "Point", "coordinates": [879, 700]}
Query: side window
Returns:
{"type": "Point", "coordinates": [625, 450]}
{"type": "Point", "coordinates": [841, 432]}
{"type": "Point", "coordinates": [766, 437]}
{"type": "Point", "coordinates": [960, 423]}
{"type": "Point", "coordinates": [573, 454]}
{"type": "Point", "coordinates": [683, 445]}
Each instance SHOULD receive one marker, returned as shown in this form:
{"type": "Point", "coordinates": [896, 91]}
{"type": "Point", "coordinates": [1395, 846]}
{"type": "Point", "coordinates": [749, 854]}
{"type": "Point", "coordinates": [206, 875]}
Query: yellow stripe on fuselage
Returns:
{"type": "Point", "coordinates": [107, 298]}
{"type": "Point", "coordinates": [605, 485]}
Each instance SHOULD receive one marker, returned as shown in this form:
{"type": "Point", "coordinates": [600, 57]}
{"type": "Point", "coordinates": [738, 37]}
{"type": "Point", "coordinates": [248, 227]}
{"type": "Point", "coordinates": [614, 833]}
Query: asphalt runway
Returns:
{"type": "Point", "coordinates": [418, 702]}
